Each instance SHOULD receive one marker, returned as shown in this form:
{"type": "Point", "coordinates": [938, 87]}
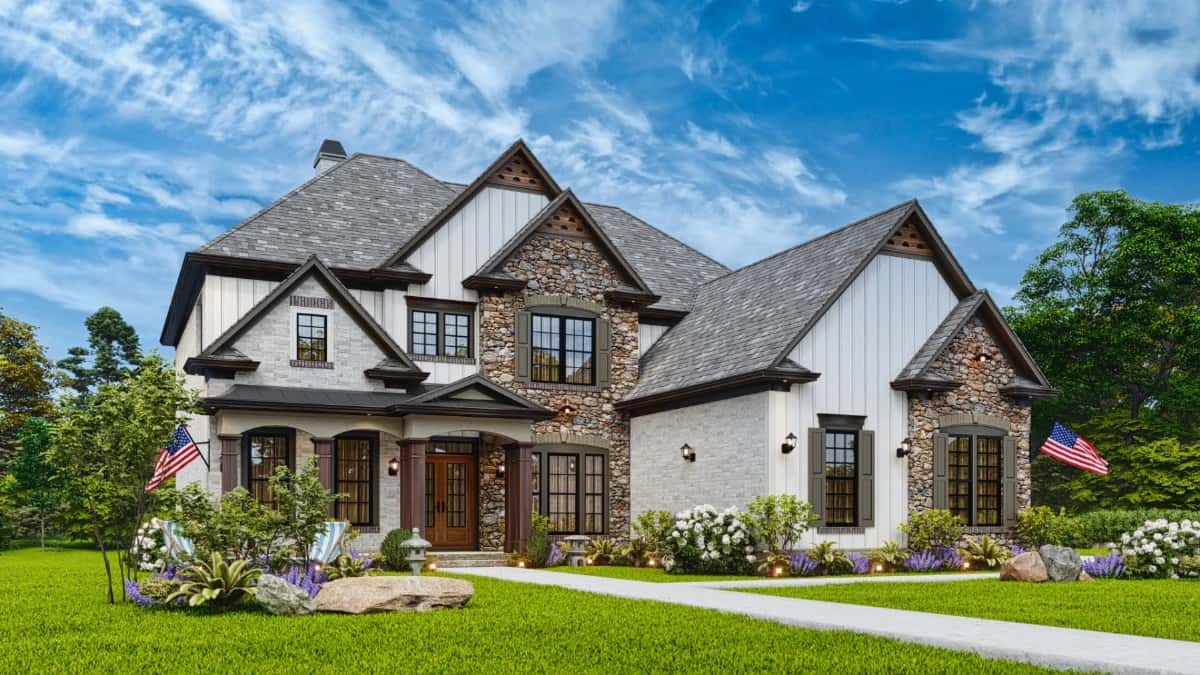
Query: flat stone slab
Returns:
{"type": "Point", "coordinates": [369, 595]}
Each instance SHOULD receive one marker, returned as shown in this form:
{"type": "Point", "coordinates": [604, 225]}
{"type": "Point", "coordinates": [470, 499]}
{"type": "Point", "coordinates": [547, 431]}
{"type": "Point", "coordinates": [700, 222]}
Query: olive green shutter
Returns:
{"type": "Point", "coordinates": [603, 352]}
{"type": "Point", "coordinates": [816, 473]}
{"type": "Point", "coordinates": [866, 479]}
{"type": "Point", "coordinates": [1009, 490]}
{"type": "Point", "coordinates": [941, 481]}
{"type": "Point", "coordinates": [521, 331]}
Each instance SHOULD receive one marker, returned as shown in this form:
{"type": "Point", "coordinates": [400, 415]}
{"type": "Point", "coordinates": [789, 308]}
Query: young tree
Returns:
{"type": "Point", "coordinates": [113, 346]}
{"type": "Point", "coordinates": [105, 448]}
{"type": "Point", "coordinates": [36, 483]}
{"type": "Point", "coordinates": [24, 382]}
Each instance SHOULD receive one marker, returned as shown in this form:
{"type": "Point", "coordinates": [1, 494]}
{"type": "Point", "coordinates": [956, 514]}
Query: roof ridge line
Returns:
{"type": "Point", "coordinates": [813, 240]}
{"type": "Point", "coordinates": [668, 235]}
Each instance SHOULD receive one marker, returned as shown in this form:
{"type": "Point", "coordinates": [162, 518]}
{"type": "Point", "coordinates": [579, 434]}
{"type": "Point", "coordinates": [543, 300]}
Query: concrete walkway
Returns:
{"type": "Point", "coordinates": [1044, 645]}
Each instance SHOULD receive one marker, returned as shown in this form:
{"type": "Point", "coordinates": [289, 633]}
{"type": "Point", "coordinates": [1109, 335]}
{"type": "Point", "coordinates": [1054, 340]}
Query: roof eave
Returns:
{"type": "Point", "coordinates": [1020, 391]}
{"type": "Point", "coordinates": [919, 384]}
{"type": "Point", "coordinates": [199, 365]}
{"type": "Point", "coordinates": [389, 375]}
{"type": "Point", "coordinates": [468, 411]}
{"type": "Point", "coordinates": [481, 282]}
{"type": "Point", "coordinates": [764, 377]}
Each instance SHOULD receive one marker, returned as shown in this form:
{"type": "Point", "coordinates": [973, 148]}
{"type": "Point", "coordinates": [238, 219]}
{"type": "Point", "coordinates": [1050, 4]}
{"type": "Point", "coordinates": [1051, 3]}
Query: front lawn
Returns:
{"type": "Point", "coordinates": [652, 574]}
{"type": "Point", "coordinates": [53, 619]}
{"type": "Point", "coordinates": [1154, 608]}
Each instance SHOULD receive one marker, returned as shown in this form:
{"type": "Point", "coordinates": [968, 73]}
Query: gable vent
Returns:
{"type": "Point", "coordinates": [908, 240]}
{"type": "Point", "coordinates": [518, 172]}
{"type": "Point", "coordinates": [567, 221]}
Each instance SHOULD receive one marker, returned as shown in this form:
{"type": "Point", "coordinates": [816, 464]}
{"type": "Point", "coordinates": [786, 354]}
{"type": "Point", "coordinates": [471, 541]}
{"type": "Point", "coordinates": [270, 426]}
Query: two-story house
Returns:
{"type": "Point", "coordinates": [457, 357]}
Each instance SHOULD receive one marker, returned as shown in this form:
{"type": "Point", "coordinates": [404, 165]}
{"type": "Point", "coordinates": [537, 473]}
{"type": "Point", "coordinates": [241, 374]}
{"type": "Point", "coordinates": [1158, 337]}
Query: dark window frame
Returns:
{"type": "Point", "coordinates": [372, 481]}
{"type": "Point", "coordinates": [440, 310]}
{"type": "Point", "coordinates": [828, 512]}
{"type": "Point", "coordinates": [539, 463]}
{"type": "Point", "coordinates": [413, 333]}
{"type": "Point", "coordinates": [324, 339]}
{"type": "Point", "coordinates": [972, 436]}
{"type": "Point", "coordinates": [248, 481]}
{"type": "Point", "coordinates": [562, 351]}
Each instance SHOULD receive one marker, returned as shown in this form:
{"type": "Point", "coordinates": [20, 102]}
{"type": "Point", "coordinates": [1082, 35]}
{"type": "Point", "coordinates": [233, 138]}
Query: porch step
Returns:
{"type": "Point", "coordinates": [448, 559]}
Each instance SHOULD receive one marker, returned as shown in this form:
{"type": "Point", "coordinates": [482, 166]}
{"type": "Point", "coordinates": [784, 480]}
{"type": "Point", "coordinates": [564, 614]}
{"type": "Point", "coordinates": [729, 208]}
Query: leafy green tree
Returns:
{"type": "Point", "coordinates": [1111, 311]}
{"type": "Point", "coordinates": [36, 482]}
{"type": "Point", "coordinates": [114, 349]}
{"type": "Point", "coordinates": [105, 447]}
{"type": "Point", "coordinates": [24, 382]}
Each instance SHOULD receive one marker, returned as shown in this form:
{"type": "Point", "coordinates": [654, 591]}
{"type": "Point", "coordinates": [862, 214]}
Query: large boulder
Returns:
{"type": "Point", "coordinates": [280, 597]}
{"type": "Point", "coordinates": [365, 595]}
{"type": "Point", "coordinates": [1025, 567]}
{"type": "Point", "coordinates": [1062, 562]}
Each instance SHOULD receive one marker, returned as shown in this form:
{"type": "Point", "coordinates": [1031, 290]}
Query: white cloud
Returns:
{"type": "Point", "coordinates": [615, 105]}
{"type": "Point", "coordinates": [93, 225]}
{"type": "Point", "coordinates": [786, 168]}
{"type": "Point", "coordinates": [711, 141]}
{"type": "Point", "coordinates": [801, 6]}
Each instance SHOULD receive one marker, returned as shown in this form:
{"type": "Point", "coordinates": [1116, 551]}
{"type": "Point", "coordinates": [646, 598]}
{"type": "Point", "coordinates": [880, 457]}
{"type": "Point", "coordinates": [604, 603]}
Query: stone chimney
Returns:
{"type": "Point", "coordinates": [330, 154]}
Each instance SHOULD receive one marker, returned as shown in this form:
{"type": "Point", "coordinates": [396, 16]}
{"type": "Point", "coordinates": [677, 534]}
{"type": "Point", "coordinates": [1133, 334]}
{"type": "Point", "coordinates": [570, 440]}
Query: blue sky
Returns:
{"type": "Point", "coordinates": [132, 132]}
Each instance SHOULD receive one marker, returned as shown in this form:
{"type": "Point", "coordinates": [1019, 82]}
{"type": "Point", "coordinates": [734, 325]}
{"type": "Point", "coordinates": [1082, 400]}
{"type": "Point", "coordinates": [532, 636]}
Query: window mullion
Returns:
{"type": "Point", "coordinates": [974, 457]}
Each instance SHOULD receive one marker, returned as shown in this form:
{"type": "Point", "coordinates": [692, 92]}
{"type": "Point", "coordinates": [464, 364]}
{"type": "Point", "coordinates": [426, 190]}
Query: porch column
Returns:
{"type": "Point", "coordinates": [231, 452]}
{"type": "Point", "coordinates": [520, 496]}
{"type": "Point", "coordinates": [323, 449]}
{"type": "Point", "coordinates": [412, 484]}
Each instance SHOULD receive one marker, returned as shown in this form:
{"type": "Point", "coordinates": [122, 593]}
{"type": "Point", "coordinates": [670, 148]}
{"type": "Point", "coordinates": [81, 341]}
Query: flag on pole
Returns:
{"type": "Point", "coordinates": [1072, 449]}
{"type": "Point", "coordinates": [178, 453]}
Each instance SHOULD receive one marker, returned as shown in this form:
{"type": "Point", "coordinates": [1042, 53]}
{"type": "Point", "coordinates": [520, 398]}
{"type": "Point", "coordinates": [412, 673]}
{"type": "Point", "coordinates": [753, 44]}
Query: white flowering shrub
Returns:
{"type": "Point", "coordinates": [149, 551]}
{"type": "Point", "coordinates": [704, 540]}
{"type": "Point", "coordinates": [1156, 548]}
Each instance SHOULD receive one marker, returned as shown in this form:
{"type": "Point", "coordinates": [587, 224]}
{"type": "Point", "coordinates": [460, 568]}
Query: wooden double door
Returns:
{"type": "Point", "coordinates": [450, 507]}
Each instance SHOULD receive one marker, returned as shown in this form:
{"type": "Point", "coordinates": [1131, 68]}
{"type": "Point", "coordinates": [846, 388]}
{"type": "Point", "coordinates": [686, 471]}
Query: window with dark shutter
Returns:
{"type": "Point", "coordinates": [560, 345]}
{"type": "Point", "coordinates": [974, 475]}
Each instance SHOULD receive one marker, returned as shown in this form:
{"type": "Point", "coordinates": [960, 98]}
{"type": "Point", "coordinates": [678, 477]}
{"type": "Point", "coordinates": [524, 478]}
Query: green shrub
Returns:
{"type": "Point", "coordinates": [1105, 527]}
{"type": "Point", "coordinates": [539, 543]}
{"type": "Point", "coordinates": [889, 554]}
{"type": "Point", "coordinates": [603, 551]}
{"type": "Point", "coordinates": [1189, 566]}
{"type": "Point", "coordinates": [346, 566]}
{"type": "Point", "coordinates": [829, 559]}
{"type": "Point", "coordinates": [1040, 525]}
{"type": "Point", "coordinates": [216, 583]}
{"type": "Point", "coordinates": [778, 521]}
{"type": "Point", "coordinates": [395, 555]}
{"type": "Point", "coordinates": [159, 588]}
{"type": "Point", "coordinates": [933, 529]}
{"type": "Point", "coordinates": [984, 552]}
{"type": "Point", "coordinates": [650, 532]}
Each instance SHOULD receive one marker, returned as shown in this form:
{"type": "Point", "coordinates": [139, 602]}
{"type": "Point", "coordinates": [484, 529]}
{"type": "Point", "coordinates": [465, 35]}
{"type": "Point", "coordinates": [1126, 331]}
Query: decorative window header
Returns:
{"type": "Point", "coordinates": [310, 301]}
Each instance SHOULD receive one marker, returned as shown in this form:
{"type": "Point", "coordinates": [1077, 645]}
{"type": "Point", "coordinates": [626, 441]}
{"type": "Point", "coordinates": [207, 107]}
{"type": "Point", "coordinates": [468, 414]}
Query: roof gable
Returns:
{"type": "Point", "coordinates": [565, 215]}
{"type": "Point", "coordinates": [515, 167]}
{"type": "Point", "coordinates": [396, 363]}
{"type": "Point", "coordinates": [473, 395]}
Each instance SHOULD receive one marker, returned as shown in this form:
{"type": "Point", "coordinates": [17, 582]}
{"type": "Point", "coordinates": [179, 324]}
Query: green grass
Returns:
{"type": "Point", "coordinates": [53, 618]}
{"type": "Point", "coordinates": [651, 574]}
{"type": "Point", "coordinates": [1155, 608]}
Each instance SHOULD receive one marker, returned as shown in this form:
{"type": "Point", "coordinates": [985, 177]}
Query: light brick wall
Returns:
{"type": "Point", "coordinates": [730, 439]}
{"type": "Point", "coordinates": [271, 341]}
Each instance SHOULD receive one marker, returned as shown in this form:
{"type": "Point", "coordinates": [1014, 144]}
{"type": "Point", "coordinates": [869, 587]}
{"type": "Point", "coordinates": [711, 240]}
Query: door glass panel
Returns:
{"type": "Point", "coordinates": [430, 495]}
{"type": "Point", "coordinates": [563, 478]}
{"type": "Point", "coordinates": [456, 495]}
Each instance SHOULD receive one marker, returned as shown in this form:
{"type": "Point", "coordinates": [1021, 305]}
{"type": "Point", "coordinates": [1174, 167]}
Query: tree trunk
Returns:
{"type": "Point", "coordinates": [42, 531]}
{"type": "Point", "coordinates": [107, 567]}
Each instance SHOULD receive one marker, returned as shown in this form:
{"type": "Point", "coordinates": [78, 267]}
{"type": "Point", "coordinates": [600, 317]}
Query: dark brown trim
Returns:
{"type": "Point", "coordinates": [925, 384]}
{"type": "Point", "coordinates": [841, 422]}
{"type": "Point", "coordinates": [214, 404]}
{"type": "Point", "coordinates": [388, 375]}
{"type": "Point", "coordinates": [657, 314]}
{"type": "Point", "coordinates": [1019, 391]}
{"type": "Point", "coordinates": [715, 390]}
{"type": "Point", "coordinates": [453, 306]}
{"type": "Point", "coordinates": [632, 298]}
{"type": "Point", "coordinates": [467, 195]}
{"type": "Point", "coordinates": [481, 282]}
{"type": "Point", "coordinates": [217, 367]}
{"type": "Point", "coordinates": [467, 411]}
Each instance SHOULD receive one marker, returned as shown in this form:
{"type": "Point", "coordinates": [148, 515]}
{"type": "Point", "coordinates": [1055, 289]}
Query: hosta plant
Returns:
{"type": "Point", "coordinates": [603, 551]}
{"type": "Point", "coordinates": [707, 541]}
{"type": "Point", "coordinates": [217, 583]}
{"type": "Point", "coordinates": [1156, 548]}
{"type": "Point", "coordinates": [984, 553]}
{"type": "Point", "coordinates": [829, 559]}
{"type": "Point", "coordinates": [889, 556]}
{"type": "Point", "coordinates": [348, 565]}
{"type": "Point", "coordinates": [1189, 566]}
{"type": "Point", "coordinates": [775, 564]}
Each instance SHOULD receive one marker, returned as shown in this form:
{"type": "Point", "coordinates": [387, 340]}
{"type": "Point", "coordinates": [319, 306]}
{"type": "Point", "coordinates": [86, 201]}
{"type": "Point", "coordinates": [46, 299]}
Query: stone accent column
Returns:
{"type": "Point", "coordinates": [231, 452]}
{"type": "Point", "coordinates": [519, 487]}
{"type": "Point", "coordinates": [323, 449]}
{"type": "Point", "coordinates": [412, 488]}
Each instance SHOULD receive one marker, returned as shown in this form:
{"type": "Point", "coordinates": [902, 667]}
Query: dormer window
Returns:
{"type": "Point", "coordinates": [311, 340]}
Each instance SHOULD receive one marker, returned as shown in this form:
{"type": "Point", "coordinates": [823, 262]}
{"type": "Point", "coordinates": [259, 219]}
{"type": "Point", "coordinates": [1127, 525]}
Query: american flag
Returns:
{"type": "Point", "coordinates": [178, 453]}
{"type": "Point", "coordinates": [1072, 449]}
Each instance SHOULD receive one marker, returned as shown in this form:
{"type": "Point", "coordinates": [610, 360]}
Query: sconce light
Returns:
{"type": "Point", "coordinates": [566, 411]}
{"type": "Point", "coordinates": [905, 448]}
{"type": "Point", "coordinates": [500, 471]}
{"type": "Point", "coordinates": [688, 452]}
{"type": "Point", "coordinates": [982, 358]}
{"type": "Point", "coordinates": [789, 444]}
{"type": "Point", "coordinates": [394, 466]}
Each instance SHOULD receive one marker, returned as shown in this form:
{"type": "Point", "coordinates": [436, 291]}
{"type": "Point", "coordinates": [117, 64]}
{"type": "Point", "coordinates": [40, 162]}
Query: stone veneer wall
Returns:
{"type": "Point", "coordinates": [491, 498]}
{"type": "Point", "coordinates": [980, 393]}
{"type": "Point", "coordinates": [576, 267]}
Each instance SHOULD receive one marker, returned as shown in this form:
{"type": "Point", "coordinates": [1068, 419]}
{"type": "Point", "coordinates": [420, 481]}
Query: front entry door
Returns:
{"type": "Point", "coordinates": [450, 501]}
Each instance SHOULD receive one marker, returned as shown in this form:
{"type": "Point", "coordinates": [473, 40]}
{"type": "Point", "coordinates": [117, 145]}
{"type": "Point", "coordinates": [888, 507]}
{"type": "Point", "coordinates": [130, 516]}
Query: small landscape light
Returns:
{"type": "Point", "coordinates": [432, 567]}
{"type": "Point", "coordinates": [650, 563]}
{"type": "Point", "coordinates": [879, 568]}
{"type": "Point", "coordinates": [394, 466]}
{"type": "Point", "coordinates": [688, 452]}
{"type": "Point", "coordinates": [778, 571]}
{"type": "Point", "coordinates": [521, 563]}
{"type": "Point", "coordinates": [966, 565]}
{"type": "Point", "coordinates": [789, 444]}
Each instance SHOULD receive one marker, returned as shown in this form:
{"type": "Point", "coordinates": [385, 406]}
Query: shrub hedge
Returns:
{"type": "Point", "coordinates": [1104, 527]}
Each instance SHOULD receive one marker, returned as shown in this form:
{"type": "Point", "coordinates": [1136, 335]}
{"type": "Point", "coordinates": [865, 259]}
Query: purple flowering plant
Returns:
{"type": "Point", "coordinates": [556, 556]}
{"type": "Point", "coordinates": [307, 578]}
{"type": "Point", "coordinates": [861, 563]}
{"type": "Point", "coordinates": [801, 565]}
{"type": "Point", "coordinates": [923, 561]}
{"type": "Point", "coordinates": [1110, 566]}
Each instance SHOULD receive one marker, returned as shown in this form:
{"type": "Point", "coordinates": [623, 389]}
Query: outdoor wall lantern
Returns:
{"type": "Point", "coordinates": [500, 470]}
{"type": "Point", "coordinates": [905, 448]}
{"type": "Point", "coordinates": [789, 444]}
{"type": "Point", "coordinates": [688, 452]}
{"type": "Point", "coordinates": [394, 466]}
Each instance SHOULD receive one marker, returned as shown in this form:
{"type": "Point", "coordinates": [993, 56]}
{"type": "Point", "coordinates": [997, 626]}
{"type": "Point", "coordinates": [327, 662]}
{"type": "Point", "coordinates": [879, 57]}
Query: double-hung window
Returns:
{"type": "Point", "coordinates": [570, 487]}
{"type": "Point", "coordinates": [563, 349]}
{"type": "Point", "coordinates": [440, 332]}
{"type": "Point", "coordinates": [311, 340]}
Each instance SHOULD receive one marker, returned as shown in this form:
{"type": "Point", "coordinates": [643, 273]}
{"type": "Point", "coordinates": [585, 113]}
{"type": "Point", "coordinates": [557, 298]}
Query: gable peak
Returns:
{"type": "Point", "coordinates": [521, 171]}
{"type": "Point", "coordinates": [909, 240]}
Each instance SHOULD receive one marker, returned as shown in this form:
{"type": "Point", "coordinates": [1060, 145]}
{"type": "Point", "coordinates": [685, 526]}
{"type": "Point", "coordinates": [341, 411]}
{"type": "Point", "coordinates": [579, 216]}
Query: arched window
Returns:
{"type": "Point", "coordinates": [264, 450]}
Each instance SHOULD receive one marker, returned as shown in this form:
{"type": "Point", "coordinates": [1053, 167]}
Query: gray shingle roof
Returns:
{"type": "Point", "coordinates": [940, 337]}
{"type": "Point", "coordinates": [300, 397]}
{"type": "Point", "coordinates": [360, 212]}
{"type": "Point", "coordinates": [744, 321]}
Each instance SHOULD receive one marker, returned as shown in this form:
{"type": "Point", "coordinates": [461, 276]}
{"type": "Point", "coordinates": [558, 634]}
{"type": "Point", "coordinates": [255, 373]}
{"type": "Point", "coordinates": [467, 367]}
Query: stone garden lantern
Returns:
{"type": "Point", "coordinates": [577, 550]}
{"type": "Point", "coordinates": [416, 551]}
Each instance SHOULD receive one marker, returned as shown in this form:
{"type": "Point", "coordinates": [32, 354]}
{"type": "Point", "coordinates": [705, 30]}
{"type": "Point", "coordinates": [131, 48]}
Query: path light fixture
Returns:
{"type": "Point", "coordinates": [394, 466]}
{"type": "Point", "coordinates": [416, 551]}
{"type": "Point", "coordinates": [905, 448]}
{"type": "Point", "coordinates": [688, 452]}
{"type": "Point", "coordinates": [789, 444]}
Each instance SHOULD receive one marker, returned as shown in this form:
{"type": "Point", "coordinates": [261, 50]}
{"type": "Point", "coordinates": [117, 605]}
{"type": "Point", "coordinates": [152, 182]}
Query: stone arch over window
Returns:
{"type": "Point", "coordinates": [565, 307]}
{"type": "Point", "coordinates": [975, 469]}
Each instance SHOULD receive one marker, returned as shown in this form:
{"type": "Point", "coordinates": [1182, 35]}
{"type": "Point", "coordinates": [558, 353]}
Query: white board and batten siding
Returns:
{"type": "Point", "coordinates": [648, 334]}
{"type": "Point", "coordinates": [859, 346]}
